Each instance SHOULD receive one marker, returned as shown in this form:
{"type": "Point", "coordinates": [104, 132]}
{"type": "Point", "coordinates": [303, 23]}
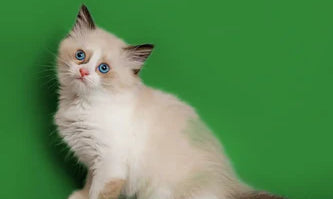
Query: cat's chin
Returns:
{"type": "Point", "coordinates": [81, 86]}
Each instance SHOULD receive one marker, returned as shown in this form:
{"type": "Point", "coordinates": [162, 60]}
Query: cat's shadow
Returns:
{"type": "Point", "coordinates": [47, 95]}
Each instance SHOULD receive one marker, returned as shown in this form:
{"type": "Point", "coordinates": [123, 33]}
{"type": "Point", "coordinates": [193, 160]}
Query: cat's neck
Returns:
{"type": "Point", "coordinates": [68, 97]}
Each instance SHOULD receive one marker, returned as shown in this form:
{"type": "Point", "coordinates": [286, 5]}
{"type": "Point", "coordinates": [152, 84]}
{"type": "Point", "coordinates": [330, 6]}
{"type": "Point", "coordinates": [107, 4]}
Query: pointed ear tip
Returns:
{"type": "Point", "coordinates": [83, 6]}
{"type": "Point", "coordinates": [84, 18]}
{"type": "Point", "coordinates": [148, 46]}
{"type": "Point", "coordinates": [151, 46]}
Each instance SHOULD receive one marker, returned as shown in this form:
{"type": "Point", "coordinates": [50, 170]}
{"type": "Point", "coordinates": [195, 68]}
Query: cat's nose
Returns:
{"type": "Point", "coordinates": [84, 72]}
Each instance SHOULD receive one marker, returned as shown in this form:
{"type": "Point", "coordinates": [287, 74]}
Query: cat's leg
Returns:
{"type": "Point", "coordinates": [108, 179]}
{"type": "Point", "coordinates": [84, 192]}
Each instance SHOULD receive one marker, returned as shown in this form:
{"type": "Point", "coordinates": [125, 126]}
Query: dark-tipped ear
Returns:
{"type": "Point", "coordinates": [84, 20]}
{"type": "Point", "coordinates": [138, 55]}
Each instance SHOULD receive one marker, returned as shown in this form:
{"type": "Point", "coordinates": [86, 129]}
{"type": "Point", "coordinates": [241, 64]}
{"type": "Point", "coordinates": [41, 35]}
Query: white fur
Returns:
{"type": "Point", "coordinates": [126, 130]}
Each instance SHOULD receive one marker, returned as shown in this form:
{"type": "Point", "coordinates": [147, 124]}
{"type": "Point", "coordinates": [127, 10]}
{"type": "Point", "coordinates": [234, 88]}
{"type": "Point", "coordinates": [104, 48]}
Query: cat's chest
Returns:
{"type": "Point", "coordinates": [101, 120]}
{"type": "Point", "coordinates": [92, 130]}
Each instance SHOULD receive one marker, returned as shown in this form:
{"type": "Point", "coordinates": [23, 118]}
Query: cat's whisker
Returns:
{"type": "Point", "coordinates": [52, 86]}
{"type": "Point", "coordinates": [50, 81]}
{"type": "Point", "coordinates": [51, 52]}
{"type": "Point", "coordinates": [91, 81]}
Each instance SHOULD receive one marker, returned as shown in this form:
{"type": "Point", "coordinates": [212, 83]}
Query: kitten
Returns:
{"type": "Point", "coordinates": [134, 140]}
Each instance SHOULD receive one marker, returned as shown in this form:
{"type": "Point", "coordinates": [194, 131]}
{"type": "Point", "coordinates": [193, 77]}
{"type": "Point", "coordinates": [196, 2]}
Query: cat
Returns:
{"type": "Point", "coordinates": [134, 140]}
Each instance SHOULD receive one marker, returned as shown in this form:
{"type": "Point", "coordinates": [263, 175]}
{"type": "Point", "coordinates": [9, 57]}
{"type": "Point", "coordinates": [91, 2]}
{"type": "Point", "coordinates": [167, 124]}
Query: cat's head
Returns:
{"type": "Point", "coordinates": [91, 59]}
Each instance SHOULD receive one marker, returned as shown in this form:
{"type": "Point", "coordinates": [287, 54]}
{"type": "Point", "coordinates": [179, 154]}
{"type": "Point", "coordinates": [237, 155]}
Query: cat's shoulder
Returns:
{"type": "Point", "coordinates": [159, 100]}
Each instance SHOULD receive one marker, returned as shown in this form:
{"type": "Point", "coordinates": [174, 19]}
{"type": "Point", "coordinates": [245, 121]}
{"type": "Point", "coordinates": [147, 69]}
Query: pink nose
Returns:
{"type": "Point", "coordinates": [84, 72]}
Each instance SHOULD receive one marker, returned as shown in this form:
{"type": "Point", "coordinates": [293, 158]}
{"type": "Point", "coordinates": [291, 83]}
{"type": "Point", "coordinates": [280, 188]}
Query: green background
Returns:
{"type": "Point", "coordinates": [259, 73]}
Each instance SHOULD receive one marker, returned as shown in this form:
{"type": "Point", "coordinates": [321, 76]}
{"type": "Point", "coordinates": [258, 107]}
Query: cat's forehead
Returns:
{"type": "Point", "coordinates": [103, 38]}
{"type": "Point", "coordinates": [98, 40]}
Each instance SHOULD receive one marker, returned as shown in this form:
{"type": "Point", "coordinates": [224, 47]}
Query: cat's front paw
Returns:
{"type": "Point", "coordinates": [80, 194]}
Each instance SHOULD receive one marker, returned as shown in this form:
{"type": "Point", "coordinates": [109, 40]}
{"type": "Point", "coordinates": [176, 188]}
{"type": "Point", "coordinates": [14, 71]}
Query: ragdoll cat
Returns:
{"type": "Point", "coordinates": [134, 140]}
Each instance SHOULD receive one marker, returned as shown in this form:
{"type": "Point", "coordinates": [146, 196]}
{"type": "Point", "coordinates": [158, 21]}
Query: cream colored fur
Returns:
{"type": "Point", "coordinates": [121, 129]}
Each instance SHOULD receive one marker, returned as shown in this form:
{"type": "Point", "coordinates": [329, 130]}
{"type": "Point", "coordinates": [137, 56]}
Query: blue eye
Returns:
{"type": "Point", "coordinates": [103, 68]}
{"type": "Point", "coordinates": [80, 55]}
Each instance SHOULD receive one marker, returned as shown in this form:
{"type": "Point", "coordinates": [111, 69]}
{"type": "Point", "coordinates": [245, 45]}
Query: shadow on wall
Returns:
{"type": "Point", "coordinates": [47, 85]}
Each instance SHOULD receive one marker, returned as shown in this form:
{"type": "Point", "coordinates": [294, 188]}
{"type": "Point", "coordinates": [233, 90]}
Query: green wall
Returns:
{"type": "Point", "coordinates": [260, 73]}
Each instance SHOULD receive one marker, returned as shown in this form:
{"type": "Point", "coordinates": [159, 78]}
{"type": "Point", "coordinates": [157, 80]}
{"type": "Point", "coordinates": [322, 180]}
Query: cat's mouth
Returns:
{"type": "Point", "coordinates": [81, 79]}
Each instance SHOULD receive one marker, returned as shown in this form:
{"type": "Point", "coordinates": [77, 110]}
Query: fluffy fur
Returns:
{"type": "Point", "coordinates": [133, 139]}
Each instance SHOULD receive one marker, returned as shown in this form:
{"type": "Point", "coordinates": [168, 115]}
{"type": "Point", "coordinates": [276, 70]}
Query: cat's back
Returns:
{"type": "Point", "coordinates": [157, 105]}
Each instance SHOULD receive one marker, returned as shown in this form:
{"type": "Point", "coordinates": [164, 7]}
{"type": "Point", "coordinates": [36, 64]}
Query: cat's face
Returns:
{"type": "Point", "coordinates": [92, 59]}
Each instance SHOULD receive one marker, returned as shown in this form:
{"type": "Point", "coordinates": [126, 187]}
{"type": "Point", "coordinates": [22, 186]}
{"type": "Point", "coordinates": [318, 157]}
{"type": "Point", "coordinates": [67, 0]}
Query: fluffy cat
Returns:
{"type": "Point", "coordinates": [134, 140]}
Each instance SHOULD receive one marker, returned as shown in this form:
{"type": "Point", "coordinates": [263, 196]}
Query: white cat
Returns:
{"type": "Point", "coordinates": [134, 140]}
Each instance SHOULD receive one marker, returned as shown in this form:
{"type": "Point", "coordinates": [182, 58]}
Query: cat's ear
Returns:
{"type": "Point", "coordinates": [84, 21]}
{"type": "Point", "coordinates": [138, 55]}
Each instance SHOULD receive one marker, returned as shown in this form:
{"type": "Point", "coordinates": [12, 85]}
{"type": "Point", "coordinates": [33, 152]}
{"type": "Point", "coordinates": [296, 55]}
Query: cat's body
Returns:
{"type": "Point", "coordinates": [157, 141]}
{"type": "Point", "coordinates": [133, 139]}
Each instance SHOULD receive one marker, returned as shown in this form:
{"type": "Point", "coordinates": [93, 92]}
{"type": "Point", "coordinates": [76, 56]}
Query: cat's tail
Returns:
{"type": "Point", "coordinates": [258, 195]}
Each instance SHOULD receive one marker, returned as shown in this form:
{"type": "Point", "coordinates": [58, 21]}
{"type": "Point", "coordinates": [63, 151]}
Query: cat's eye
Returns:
{"type": "Point", "coordinates": [80, 55]}
{"type": "Point", "coordinates": [103, 68]}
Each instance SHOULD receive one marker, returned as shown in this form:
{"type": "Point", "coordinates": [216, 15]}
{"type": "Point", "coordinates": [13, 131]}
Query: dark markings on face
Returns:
{"type": "Point", "coordinates": [86, 60]}
{"type": "Point", "coordinates": [136, 71]}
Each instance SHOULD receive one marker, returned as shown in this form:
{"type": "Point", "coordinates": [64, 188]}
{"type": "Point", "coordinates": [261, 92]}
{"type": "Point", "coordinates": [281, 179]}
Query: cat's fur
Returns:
{"type": "Point", "coordinates": [134, 139]}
